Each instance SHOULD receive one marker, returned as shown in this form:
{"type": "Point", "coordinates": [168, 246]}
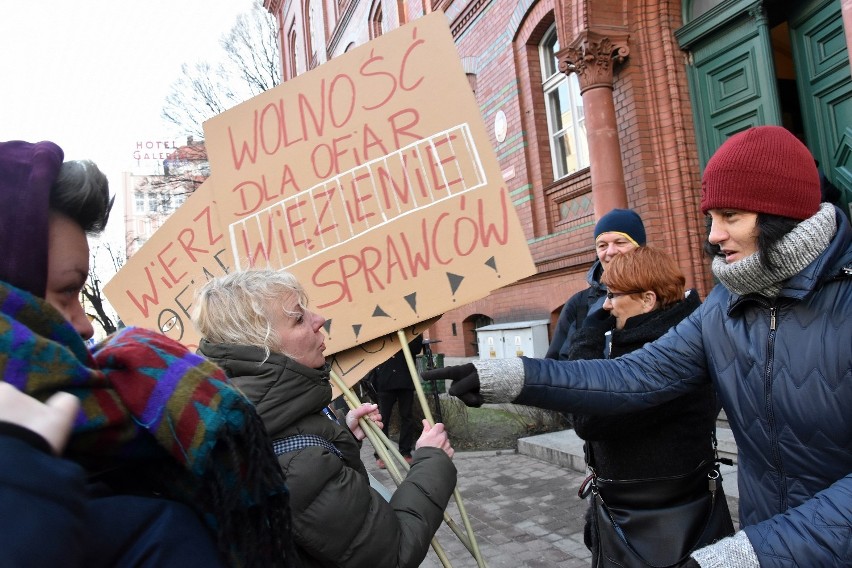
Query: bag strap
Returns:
{"type": "Point", "coordinates": [302, 441]}
{"type": "Point", "coordinates": [717, 459]}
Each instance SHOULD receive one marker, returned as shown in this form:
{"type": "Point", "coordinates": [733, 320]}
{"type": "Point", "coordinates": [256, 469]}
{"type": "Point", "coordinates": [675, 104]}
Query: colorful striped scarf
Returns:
{"type": "Point", "coordinates": [157, 418]}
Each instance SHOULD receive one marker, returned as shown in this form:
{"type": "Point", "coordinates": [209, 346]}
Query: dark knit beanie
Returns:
{"type": "Point", "coordinates": [624, 222]}
{"type": "Point", "coordinates": [764, 169]}
{"type": "Point", "coordinates": [27, 172]}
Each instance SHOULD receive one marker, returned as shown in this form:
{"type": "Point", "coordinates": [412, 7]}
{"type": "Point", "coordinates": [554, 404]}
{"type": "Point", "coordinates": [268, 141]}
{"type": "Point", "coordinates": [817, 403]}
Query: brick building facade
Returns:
{"type": "Point", "coordinates": [595, 104]}
{"type": "Point", "coordinates": [150, 198]}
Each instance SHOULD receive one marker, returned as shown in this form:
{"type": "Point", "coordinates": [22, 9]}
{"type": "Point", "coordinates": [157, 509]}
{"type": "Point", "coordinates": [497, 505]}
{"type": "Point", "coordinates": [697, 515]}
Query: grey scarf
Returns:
{"type": "Point", "coordinates": [790, 255]}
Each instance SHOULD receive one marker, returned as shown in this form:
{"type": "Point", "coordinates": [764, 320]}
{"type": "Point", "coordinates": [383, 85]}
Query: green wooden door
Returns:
{"type": "Point", "coordinates": [731, 75]}
{"type": "Point", "coordinates": [825, 88]}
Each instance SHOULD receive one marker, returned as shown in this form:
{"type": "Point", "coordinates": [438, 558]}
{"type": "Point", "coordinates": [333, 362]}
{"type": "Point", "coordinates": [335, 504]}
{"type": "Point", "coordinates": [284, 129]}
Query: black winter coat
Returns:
{"type": "Point", "coordinates": [670, 439]}
{"type": "Point", "coordinates": [393, 374]}
{"type": "Point", "coordinates": [337, 518]}
{"type": "Point", "coordinates": [575, 311]}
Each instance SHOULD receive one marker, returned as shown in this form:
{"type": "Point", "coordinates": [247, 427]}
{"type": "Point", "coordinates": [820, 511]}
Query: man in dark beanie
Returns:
{"type": "Point", "coordinates": [619, 231]}
{"type": "Point", "coordinates": [774, 340]}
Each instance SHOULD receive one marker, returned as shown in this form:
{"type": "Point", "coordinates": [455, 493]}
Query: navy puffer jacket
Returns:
{"type": "Point", "coordinates": [783, 371]}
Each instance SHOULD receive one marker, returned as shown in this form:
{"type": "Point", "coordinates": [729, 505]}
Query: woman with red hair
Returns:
{"type": "Point", "coordinates": [645, 297]}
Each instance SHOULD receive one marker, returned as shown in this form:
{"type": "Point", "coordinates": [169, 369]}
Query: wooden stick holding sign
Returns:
{"type": "Point", "coordinates": [386, 450]}
{"type": "Point", "coordinates": [390, 455]}
{"type": "Point", "coordinates": [383, 446]}
{"type": "Point", "coordinates": [415, 378]}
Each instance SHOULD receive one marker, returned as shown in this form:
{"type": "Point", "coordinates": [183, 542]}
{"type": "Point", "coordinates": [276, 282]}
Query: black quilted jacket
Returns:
{"type": "Point", "coordinates": [666, 440]}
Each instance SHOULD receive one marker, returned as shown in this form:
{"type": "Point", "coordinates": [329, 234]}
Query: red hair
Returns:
{"type": "Point", "coordinates": [646, 268]}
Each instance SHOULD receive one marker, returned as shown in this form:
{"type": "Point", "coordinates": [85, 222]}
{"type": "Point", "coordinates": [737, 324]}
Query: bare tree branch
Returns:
{"type": "Point", "coordinates": [93, 293]}
{"type": "Point", "coordinates": [250, 65]}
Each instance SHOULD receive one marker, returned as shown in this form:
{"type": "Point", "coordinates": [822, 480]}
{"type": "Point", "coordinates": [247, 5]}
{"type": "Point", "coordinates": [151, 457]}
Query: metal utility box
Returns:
{"type": "Point", "coordinates": [501, 340]}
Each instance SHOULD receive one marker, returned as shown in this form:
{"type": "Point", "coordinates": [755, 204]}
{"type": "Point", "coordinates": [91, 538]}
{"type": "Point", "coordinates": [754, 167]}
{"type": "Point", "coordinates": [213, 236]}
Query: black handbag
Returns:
{"type": "Point", "coordinates": [656, 522]}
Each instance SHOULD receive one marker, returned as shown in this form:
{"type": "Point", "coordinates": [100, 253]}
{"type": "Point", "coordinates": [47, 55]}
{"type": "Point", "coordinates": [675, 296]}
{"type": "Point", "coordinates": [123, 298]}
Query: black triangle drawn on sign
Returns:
{"type": "Point", "coordinates": [327, 326]}
{"type": "Point", "coordinates": [379, 312]}
{"type": "Point", "coordinates": [455, 281]}
{"type": "Point", "coordinates": [357, 329]}
{"type": "Point", "coordinates": [492, 262]}
{"type": "Point", "coordinates": [412, 301]}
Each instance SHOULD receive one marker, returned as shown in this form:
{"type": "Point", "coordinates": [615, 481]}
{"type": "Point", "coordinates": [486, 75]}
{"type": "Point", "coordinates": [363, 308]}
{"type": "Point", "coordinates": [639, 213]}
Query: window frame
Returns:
{"type": "Point", "coordinates": [139, 202]}
{"type": "Point", "coordinates": [552, 81]}
{"type": "Point", "coordinates": [376, 18]}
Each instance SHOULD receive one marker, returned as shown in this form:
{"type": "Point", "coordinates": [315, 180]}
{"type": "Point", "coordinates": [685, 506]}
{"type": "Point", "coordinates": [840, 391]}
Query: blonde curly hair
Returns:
{"type": "Point", "coordinates": [236, 308]}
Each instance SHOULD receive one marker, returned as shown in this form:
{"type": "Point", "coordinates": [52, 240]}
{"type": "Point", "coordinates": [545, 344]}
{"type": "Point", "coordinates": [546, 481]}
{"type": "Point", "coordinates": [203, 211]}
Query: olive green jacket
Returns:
{"type": "Point", "coordinates": [338, 519]}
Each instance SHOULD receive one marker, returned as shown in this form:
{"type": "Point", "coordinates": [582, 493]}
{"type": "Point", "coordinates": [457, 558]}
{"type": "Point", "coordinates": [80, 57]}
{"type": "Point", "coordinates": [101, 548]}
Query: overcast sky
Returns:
{"type": "Point", "coordinates": [91, 75]}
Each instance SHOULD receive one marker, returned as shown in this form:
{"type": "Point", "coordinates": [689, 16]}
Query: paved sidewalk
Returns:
{"type": "Point", "coordinates": [524, 511]}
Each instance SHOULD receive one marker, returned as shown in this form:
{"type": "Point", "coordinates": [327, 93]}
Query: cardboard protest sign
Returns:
{"type": "Point", "coordinates": [372, 179]}
{"type": "Point", "coordinates": [353, 364]}
{"type": "Point", "coordinates": [156, 287]}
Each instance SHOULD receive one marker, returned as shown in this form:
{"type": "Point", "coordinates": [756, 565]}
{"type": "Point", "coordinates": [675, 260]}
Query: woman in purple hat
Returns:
{"type": "Point", "coordinates": [167, 464]}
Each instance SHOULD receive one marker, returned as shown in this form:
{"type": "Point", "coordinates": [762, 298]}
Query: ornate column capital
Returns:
{"type": "Point", "coordinates": [591, 56]}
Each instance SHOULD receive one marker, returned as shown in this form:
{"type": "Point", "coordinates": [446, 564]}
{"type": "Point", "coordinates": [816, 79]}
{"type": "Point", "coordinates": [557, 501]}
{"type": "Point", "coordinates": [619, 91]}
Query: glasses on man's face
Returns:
{"type": "Point", "coordinates": [611, 295]}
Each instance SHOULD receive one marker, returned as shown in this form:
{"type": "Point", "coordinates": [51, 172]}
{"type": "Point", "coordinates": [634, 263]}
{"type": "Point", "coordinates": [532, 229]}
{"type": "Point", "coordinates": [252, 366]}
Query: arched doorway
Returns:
{"type": "Point", "coordinates": [469, 327]}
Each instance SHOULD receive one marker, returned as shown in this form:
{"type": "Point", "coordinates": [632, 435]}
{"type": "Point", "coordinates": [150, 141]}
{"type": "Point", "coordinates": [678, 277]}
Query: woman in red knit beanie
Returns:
{"type": "Point", "coordinates": [774, 338]}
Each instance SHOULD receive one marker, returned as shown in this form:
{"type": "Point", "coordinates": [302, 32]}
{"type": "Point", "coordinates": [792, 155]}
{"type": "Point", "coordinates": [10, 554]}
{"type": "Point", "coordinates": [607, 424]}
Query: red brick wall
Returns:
{"type": "Point", "coordinates": [498, 41]}
{"type": "Point", "coordinates": [658, 152]}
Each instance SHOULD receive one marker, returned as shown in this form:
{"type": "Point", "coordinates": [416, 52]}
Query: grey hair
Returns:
{"type": "Point", "coordinates": [235, 308]}
{"type": "Point", "coordinates": [81, 192]}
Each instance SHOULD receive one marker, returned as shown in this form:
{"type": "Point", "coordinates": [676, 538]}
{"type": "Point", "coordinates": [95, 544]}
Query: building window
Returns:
{"type": "Point", "coordinates": [140, 201]}
{"type": "Point", "coordinates": [699, 7]}
{"type": "Point", "coordinates": [178, 199]}
{"type": "Point", "coordinates": [566, 121]}
{"type": "Point", "coordinates": [291, 47]}
{"type": "Point", "coordinates": [376, 19]}
{"type": "Point", "coordinates": [315, 32]}
{"type": "Point", "coordinates": [152, 203]}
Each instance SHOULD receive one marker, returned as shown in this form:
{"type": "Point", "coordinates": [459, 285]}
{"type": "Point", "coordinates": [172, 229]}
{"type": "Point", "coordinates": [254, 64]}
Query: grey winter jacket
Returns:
{"type": "Point", "coordinates": [338, 519]}
{"type": "Point", "coordinates": [783, 371]}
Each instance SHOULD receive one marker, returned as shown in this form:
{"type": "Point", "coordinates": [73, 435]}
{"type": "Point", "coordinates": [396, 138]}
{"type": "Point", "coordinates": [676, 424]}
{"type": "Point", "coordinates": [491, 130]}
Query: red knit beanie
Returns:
{"type": "Point", "coordinates": [764, 169]}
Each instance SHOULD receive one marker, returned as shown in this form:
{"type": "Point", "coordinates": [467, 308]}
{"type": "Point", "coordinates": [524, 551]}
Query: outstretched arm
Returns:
{"type": "Point", "coordinates": [661, 371]}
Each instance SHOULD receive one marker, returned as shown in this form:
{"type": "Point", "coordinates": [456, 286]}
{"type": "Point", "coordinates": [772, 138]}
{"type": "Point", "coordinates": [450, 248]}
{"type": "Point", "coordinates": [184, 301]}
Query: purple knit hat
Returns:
{"type": "Point", "coordinates": [27, 172]}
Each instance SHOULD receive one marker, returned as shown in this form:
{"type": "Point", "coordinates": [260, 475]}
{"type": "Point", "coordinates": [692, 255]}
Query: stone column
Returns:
{"type": "Point", "coordinates": [592, 56]}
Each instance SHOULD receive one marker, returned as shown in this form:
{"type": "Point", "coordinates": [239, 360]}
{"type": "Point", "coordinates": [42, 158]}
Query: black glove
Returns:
{"type": "Point", "coordinates": [465, 382]}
